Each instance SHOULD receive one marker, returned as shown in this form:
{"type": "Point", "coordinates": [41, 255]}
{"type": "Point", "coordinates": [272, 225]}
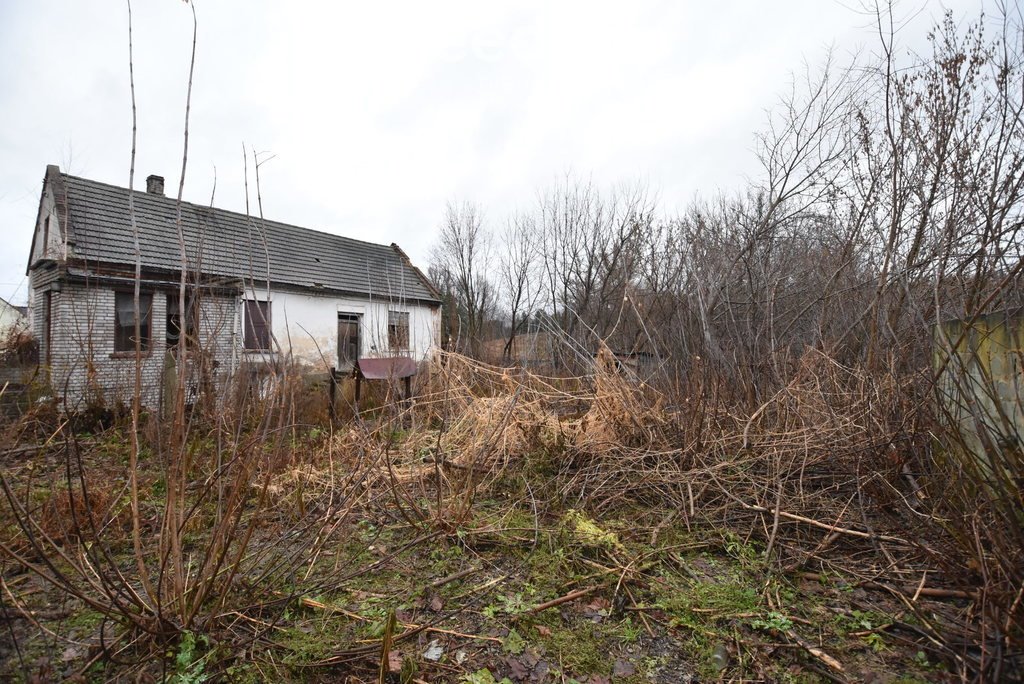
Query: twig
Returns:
{"type": "Point", "coordinates": [438, 630]}
{"type": "Point", "coordinates": [485, 585]}
{"type": "Point", "coordinates": [906, 590]}
{"type": "Point", "coordinates": [385, 648]}
{"type": "Point", "coordinates": [451, 578]}
{"type": "Point", "coordinates": [920, 587]}
{"type": "Point", "coordinates": [815, 651]}
{"type": "Point", "coordinates": [571, 596]}
{"type": "Point", "coordinates": [823, 526]}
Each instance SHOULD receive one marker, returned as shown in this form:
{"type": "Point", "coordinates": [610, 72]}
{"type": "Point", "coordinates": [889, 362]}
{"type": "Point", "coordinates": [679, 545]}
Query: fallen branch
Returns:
{"type": "Point", "coordinates": [911, 591]}
{"type": "Point", "coordinates": [824, 526]}
{"type": "Point", "coordinates": [571, 596]}
{"type": "Point", "coordinates": [486, 585]}
{"type": "Point", "coordinates": [816, 652]}
{"type": "Point", "coordinates": [451, 578]}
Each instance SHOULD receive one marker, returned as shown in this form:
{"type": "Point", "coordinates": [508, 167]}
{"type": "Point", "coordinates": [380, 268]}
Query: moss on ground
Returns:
{"type": "Point", "coordinates": [669, 608]}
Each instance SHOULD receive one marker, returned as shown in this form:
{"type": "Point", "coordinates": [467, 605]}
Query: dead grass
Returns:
{"type": "Point", "coordinates": [86, 513]}
{"type": "Point", "coordinates": [538, 487]}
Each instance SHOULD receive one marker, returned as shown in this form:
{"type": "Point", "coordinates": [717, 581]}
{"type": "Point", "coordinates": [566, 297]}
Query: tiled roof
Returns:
{"type": "Point", "coordinates": [231, 245]}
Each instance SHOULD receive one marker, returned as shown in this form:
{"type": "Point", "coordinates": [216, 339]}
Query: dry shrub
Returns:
{"type": "Point", "coordinates": [19, 348]}
{"type": "Point", "coordinates": [976, 496]}
{"type": "Point", "coordinates": [504, 428]}
{"type": "Point", "coordinates": [40, 421]}
{"type": "Point", "coordinates": [307, 398]}
{"type": "Point", "coordinates": [831, 425]}
{"type": "Point", "coordinates": [622, 413]}
{"type": "Point", "coordinates": [830, 434]}
{"type": "Point", "coordinates": [489, 416]}
{"type": "Point", "coordinates": [315, 471]}
{"type": "Point", "coordinates": [85, 512]}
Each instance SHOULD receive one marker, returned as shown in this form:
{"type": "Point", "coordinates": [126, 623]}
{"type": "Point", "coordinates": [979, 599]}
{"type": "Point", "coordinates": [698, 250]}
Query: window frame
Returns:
{"type": "Point", "coordinates": [266, 317]}
{"type": "Point", "coordinates": [395, 343]}
{"type": "Point", "coordinates": [125, 343]}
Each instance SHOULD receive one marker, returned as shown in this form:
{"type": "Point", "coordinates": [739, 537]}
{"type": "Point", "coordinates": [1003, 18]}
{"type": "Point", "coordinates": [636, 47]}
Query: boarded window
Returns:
{"type": "Point", "coordinates": [348, 340]}
{"type": "Point", "coordinates": [257, 325]}
{"type": "Point", "coordinates": [398, 330]}
{"type": "Point", "coordinates": [124, 321]}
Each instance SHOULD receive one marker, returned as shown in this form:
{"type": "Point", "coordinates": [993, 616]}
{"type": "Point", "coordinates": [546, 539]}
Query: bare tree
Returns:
{"type": "Point", "coordinates": [461, 260]}
{"type": "Point", "coordinates": [517, 270]}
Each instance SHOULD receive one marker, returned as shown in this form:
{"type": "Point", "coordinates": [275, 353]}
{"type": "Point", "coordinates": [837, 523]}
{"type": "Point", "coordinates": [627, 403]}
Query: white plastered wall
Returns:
{"type": "Point", "coordinates": [305, 325]}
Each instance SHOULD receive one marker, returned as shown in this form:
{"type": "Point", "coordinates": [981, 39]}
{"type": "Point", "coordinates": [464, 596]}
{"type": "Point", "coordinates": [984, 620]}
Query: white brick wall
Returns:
{"type": "Point", "coordinates": [83, 365]}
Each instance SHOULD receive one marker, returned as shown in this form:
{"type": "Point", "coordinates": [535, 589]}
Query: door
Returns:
{"type": "Point", "coordinates": [348, 340]}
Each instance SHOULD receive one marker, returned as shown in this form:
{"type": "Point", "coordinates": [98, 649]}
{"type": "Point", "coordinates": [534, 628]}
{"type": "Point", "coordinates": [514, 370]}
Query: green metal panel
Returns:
{"type": "Point", "coordinates": [979, 383]}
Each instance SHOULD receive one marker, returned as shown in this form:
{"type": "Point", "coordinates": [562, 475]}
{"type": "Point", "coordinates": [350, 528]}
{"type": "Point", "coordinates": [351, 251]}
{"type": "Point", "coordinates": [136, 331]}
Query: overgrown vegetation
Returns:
{"type": "Point", "coordinates": [512, 524]}
{"type": "Point", "coordinates": [782, 490]}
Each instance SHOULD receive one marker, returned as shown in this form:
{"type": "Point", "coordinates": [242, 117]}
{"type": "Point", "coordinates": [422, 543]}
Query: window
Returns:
{"type": "Point", "coordinates": [257, 325]}
{"type": "Point", "coordinates": [398, 330]}
{"type": "Point", "coordinates": [348, 340]}
{"type": "Point", "coordinates": [174, 320]}
{"type": "Point", "coordinates": [47, 325]}
{"type": "Point", "coordinates": [124, 321]}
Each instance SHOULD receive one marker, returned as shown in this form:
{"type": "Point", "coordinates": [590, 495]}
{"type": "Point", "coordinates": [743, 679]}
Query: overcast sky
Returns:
{"type": "Point", "coordinates": [377, 114]}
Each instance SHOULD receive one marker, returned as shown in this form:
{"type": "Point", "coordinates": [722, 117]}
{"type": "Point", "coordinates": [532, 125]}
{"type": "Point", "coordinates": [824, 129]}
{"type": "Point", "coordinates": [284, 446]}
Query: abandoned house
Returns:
{"type": "Point", "coordinates": [260, 294]}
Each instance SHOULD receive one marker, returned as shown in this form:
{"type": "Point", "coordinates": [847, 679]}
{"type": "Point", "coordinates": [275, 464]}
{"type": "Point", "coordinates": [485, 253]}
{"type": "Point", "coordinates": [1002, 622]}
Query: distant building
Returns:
{"type": "Point", "coordinates": [12, 318]}
{"type": "Point", "coordinates": [259, 293]}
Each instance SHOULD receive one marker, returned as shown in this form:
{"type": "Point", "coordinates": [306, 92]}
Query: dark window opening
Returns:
{"type": "Point", "coordinates": [174, 320]}
{"type": "Point", "coordinates": [398, 330]}
{"type": "Point", "coordinates": [47, 326]}
{"type": "Point", "coordinates": [124, 321]}
{"type": "Point", "coordinates": [348, 340]}
{"type": "Point", "coordinates": [257, 325]}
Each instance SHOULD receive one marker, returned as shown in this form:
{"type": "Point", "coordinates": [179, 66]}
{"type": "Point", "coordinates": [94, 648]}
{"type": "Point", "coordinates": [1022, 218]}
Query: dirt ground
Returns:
{"type": "Point", "coordinates": [514, 593]}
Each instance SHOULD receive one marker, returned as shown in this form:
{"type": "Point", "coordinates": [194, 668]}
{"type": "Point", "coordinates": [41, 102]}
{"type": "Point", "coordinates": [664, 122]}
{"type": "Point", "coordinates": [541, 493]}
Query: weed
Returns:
{"type": "Point", "coordinates": [745, 552]}
{"type": "Point", "coordinates": [303, 645]}
{"type": "Point", "coordinates": [876, 641]}
{"type": "Point", "coordinates": [483, 676]}
{"type": "Point", "coordinates": [860, 621]}
{"type": "Point", "coordinates": [510, 604]}
{"type": "Point", "coordinates": [709, 601]}
{"type": "Point", "coordinates": [86, 620]}
{"type": "Point", "coordinates": [585, 531]}
{"type": "Point", "coordinates": [630, 631]}
{"type": "Point", "coordinates": [581, 650]}
{"type": "Point", "coordinates": [514, 643]}
{"type": "Point", "coordinates": [772, 621]}
{"type": "Point", "coordinates": [442, 556]}
{"type": "Point", "coordinates": [189, 666]}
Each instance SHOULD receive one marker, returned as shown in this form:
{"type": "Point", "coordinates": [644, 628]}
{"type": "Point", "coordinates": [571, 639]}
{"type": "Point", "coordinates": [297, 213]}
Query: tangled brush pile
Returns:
{"type": "Point", "coordinates": [614, 438]}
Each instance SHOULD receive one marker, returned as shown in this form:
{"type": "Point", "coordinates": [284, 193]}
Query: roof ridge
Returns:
{"type": "Point", "coordinates": [227, 211]}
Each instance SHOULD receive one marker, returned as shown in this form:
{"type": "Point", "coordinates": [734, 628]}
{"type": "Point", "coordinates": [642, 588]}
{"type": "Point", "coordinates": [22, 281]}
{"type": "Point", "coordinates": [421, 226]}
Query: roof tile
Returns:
{"type": "Point", "coordinates": [232, 245]}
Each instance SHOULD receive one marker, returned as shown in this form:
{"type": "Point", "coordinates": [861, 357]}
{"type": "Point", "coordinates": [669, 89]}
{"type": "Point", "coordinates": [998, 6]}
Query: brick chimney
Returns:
{"type": "Point", "coordinates": [155, 185]}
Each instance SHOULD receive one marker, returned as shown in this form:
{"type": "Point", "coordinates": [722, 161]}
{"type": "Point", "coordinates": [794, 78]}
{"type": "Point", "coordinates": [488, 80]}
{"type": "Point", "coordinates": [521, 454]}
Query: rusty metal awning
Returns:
{"type": "Point", "coordinates": [389, 367]}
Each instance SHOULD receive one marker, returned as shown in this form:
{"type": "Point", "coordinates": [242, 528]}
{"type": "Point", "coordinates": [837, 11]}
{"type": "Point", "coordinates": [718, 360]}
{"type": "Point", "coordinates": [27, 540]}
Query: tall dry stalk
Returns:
{"type": "Point", "coordinates": [177, 468]}
{"type": "Point", "coordinates": [133, 464]}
